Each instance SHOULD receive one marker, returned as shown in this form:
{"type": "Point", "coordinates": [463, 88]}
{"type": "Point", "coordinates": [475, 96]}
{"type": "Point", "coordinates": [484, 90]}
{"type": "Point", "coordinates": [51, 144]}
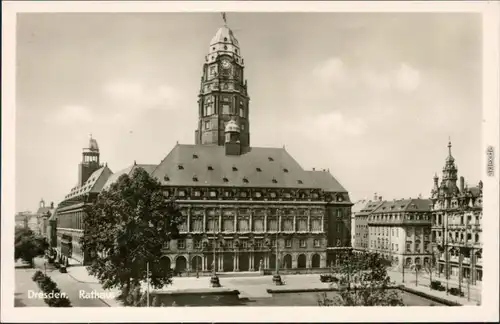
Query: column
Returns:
{"type": "Point", "coordinates": [221, 262]}
{"type": "Point", "coordinates": [323, 222]}
{"type": "Point", "coordinates": [204, 220]}
{"type": "Point", "coordinates": [204, 263]}
{"type": "Point", "coordinates": [294, 261]}
{"type": "Point", "coordinates": [189, 220]}
{"type": "Point", "coordinates": [220, 220]}
{"type": "Point", "coordinates": [279, 220]}
{"type": "Point", "coordinates": [295, 220]}
{"type": "Point", "coordinates": [236, 220]}
{"type": "Point", "coordinates": [265, 219]}
{"type": "Point", "coordinates": [266, 261]}
{"type": "Point", "coordinates": [472, 267]}
{"type": "Point", "coordinates": [235, 261]}
{"type": "Point", "coordinates": [308, 219]}
{"type": "Point", "coordinates": [188, 263]}
{"type": "Point", "coordinates": [250, 261]}
{"type": "Point", "coordinates": [250, 226]}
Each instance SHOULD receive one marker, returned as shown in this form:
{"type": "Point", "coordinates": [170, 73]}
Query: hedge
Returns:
{"type": "Point", "coordinates": [49, 287]}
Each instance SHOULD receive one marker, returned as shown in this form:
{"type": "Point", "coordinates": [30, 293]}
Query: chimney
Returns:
{"type": "Point", "coordinates": [52, 205]}
{"type": "Point", "coordinates": [314, 169]}
{"type": "Point", "coordinates": [462, 184]}
{"type": "Point", "coordinates": [380, 198]}
{"type": "Point", "coordinates": [375, 197]}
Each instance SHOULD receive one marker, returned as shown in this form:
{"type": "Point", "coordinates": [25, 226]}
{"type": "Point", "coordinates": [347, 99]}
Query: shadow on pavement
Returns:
{"type": "Point", "coordinates": [17, 301]}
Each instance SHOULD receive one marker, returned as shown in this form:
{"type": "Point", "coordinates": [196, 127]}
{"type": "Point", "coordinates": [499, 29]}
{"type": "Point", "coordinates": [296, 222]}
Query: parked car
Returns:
{"type": "Point", "coordinates": [437, 285]}
{"type": "Point", "coordinates": [328, 278]}
{"type": "Point", "coordinates": [456, 292]}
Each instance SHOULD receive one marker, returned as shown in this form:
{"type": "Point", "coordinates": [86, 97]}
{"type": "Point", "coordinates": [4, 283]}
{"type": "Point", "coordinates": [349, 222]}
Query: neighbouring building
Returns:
{"type": "Point", "coordinates": [43, 213]}
{"type": "Point", "coordinates": [400, 230]}
{"type": "Point", "coordinates": [457, 214]}
{"type": "Point", "coordinates": [22, 219]}
{"type": "Point", "coordinates": [244, 204]}
{"type": "Point", "coordinates": [68, 219]}
{"type": "Point", "coordinates": [361, 222]}
{"type": "Point", "coordinates": [355, 209]}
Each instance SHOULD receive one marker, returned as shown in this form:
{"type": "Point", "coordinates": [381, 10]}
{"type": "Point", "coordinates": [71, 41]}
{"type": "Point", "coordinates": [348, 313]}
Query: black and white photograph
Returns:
{"type": "Point", "coordinates": [231, 158]}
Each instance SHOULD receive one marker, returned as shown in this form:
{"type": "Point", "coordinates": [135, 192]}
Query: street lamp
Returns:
{"type": "Point", "coordinates": [276, 277]}
{"type": "Point", "coordinates": [214, 279]}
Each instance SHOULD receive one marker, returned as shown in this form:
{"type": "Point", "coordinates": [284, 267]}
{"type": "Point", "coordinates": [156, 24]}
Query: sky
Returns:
{"type": "Point", "coordinates": [373, 97]}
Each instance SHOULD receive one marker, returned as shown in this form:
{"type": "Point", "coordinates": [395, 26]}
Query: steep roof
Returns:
{"type": "Point", "coordinates": [94, 184]}
{"type": "Point", "coordinates": [262, 167]}
{"type": "Point", "coordinates": [404, 205]}
{"type": "Point", "coordinates": [325, 181]}
{"type": "Point", "coordinates": [114, 177]}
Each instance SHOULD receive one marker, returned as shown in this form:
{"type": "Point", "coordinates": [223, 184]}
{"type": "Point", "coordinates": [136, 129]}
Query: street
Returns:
{"type": "Point", "coordinates": [80, 294]}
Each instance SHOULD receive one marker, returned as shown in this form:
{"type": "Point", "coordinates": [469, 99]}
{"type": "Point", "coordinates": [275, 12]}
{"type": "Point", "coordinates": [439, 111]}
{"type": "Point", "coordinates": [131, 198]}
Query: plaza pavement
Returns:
{"type": "Point", "coordinates": [256, 286]}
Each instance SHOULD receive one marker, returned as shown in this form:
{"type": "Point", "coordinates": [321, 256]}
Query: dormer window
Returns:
{"type": "Point", "coordinates": [180, 166]}
{"type": "Point", "coordinates": [245, 180]}
{"type": "Point", "coordinates": [300, 182]}
{"type": "Point", "coordinates": [197, 193]}
{"type": "Point", "coordinates": [235, 169]}
{"type": "Point", "coordinates": [275, 181]}
{"type": "Point", "coordinates": [195, 156]}
{"type": "Point", "coordinates": [258, 169]}
{"type": "Point", "coordinates": [166, 178]}
{"type": "Point", "coordinates": [285, 170]}
{"type": "Point", "coordinates": [195, 179]}
{"type": "Point", "coordinates": [182, 193]}
{"type": "Point", "coordinates": [210, 168]}
{"type": "Point", "coordinates": [270, 159]}
{"type": "Point", "coordinates": [257, 194]}
{"type": "Point", "coordinates": [243, 194]}
{"type": "Point", "coordinates": [272, 195]}
{"type": "Point", "coordinates": [213, 194]}
{"type": "Point", "coordinates": [225, 179]}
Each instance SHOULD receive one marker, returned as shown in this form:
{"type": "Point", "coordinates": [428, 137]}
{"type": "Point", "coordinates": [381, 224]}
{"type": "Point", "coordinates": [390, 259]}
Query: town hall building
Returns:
{"type": "Point", "coordinates": [248, 206]}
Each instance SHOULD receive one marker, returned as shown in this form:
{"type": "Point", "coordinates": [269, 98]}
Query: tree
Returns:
{"type": "Point", "coordinates": [363, 281]}
{"type": "Point", "coordinates": [127, 228]}
{"type": "Point", "coordinates": [28, 245]}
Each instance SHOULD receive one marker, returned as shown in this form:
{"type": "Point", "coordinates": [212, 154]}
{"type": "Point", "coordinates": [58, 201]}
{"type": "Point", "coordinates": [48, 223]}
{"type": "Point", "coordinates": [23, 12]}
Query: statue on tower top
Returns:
{"type": "Point", "coordinates": [224, 18]}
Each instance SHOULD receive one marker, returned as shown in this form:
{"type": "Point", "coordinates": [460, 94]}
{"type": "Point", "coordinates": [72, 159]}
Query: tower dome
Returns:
{"type": "Point", "coordinates": [224, 35]}
{"type": "Point", "coordinates": [232, 127]}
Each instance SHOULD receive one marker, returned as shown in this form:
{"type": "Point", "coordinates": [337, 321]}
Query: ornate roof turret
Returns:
{"type": "Point", "coordinates": [93, 144]}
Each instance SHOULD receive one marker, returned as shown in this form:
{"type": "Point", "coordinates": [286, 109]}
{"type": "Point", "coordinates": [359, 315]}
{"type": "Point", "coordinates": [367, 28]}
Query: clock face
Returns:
{"type": "Point", "coordinates": [225, 64]}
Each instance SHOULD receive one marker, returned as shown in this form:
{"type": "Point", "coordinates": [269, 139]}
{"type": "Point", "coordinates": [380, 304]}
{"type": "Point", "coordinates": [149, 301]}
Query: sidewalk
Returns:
{"type": "Point", "coordinates": [424, 286]}
{"type": "Point", "coordinates": [23, 285]}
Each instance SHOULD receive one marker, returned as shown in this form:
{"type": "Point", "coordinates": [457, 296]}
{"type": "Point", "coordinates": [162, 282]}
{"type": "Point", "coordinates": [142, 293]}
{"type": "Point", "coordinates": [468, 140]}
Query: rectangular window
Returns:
{"type": "Point", "coordinates": [273, 243]}
{"type": "Point", "coordinates": [288, 243]}
{"type": "Point", "coordinates": [316, 243]}
{"type": "Point", "coordinates": [208, 125]}
{"type": "Point", "coordinates": [242, 112]}
{"type": "Point", "coordinates": [197, 244]}
{"type": "Point", "coordinates": [226, 109]}
{"type": "Point", "coordinates": [408, 247]}
{"type": "Point", "coordinates": [259, 243]}
{"type": "Point", "coordinates": [303, 243]}
{"type": "Point", "coordinates": [392, 246]}
{"type": "Point", "coordinates": [181, 244]}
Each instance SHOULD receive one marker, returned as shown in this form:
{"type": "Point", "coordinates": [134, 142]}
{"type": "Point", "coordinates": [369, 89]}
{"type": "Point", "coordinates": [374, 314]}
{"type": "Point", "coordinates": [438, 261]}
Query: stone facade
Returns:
{"type": "Point", "coordinates": [457, 225]}
{"type": "Point", "coordinates": [400, 231]}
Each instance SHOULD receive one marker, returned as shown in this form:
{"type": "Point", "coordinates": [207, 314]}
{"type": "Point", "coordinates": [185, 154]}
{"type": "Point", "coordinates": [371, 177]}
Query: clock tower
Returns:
{"type": "Point", "coordinates": [223, 93]}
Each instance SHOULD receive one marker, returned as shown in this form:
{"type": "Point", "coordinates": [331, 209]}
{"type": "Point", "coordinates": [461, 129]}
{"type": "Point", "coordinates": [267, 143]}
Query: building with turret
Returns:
{"type": "Point", "coordinates": [457, 212]}
{"type": "Point", "coordinates": [249, 206]}
{"type": "Point", "coordinates": [68, 219]}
